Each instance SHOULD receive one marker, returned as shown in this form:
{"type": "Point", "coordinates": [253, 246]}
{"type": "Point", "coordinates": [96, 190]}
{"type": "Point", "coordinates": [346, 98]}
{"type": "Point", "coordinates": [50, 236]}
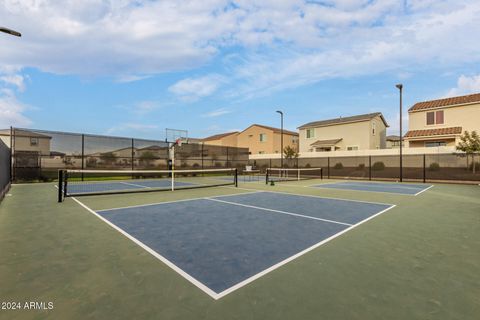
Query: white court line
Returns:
{"type": "Point", "coordinates": [241, 284]}
{"type": "Point", "coordinates": [380, 184]}
{"type": "Point", "coordinates": [194, 281]}
{"type": "Point", "coordinates": [279, 211]}
{"type": "Point", "coordinates": [346, 189]}
{"type": "Point", "coordinates": [321, 197]}
{"type": "Point", "coordinates": [416, 194]}
{"type": "Point", "coordinates": [135, 185]}
{"type": "Point", "coordinates": [174, 201]}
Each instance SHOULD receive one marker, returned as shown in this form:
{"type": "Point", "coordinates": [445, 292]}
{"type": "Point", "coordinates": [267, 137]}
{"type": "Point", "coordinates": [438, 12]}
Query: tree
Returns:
{"type": "Point", "coordinates": [108, 157]}
{"type": "Point", "coordinates": [470, 144]}
{"type": "Point", "coordinates": [290, 153]}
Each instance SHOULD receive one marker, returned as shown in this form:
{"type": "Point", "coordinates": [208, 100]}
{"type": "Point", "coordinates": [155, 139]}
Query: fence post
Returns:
{"type": "Point", "coordinates": [424, 169]}
{"type": "Point", "coordinates": [60, 185]}
{"type": "Point", "coordinates": [369, 167]}
{"type": "Point", "coordinates": [83, 153]}
{"type": "Point", "coordinates": [133, 154]}
{"type": "Point", "coordinates": [201, 156]}
{"type": "Point", "coordinates": [11, 154]}
{"type": "Point", "coordinates": [270, 162]}
{"type": "Point", "coordinates": [328, 167]}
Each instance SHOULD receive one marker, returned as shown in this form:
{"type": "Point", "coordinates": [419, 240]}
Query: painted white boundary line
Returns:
{"type": "Point", "coordinates": [301, 253]}
{"type": "Point", "coordinates": [398, 185]}
{"type": "Point", "coordinates": [194, 281]}
{"type": "Point", "coordinates": [322, 197]}
{"type": "Point", "coordinates": [135, 185]}
{"type": "Point", "coordinates": [200, 285]}
{"type": "Point", "coordinates": [279, 211]}
{"type": "Point", "coordinates": [416, 194]}
{"type": "Point", "coordinates": [346, 189]}
{"type": "Point", "coordinates": [174, 201]}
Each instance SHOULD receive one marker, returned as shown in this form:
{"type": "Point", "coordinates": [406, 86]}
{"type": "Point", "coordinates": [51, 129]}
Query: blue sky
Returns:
{"type": "Point", "coordinates": [133, 68]}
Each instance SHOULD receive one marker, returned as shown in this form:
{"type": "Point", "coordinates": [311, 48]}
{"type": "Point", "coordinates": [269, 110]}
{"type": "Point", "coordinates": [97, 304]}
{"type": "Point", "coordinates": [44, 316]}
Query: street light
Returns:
{"type": "Point", "coordinates": [10, 31]}
{"type": "Point", "coordinates": [281, 138]}
{"type": "Point", "coordinates": [400, 88]}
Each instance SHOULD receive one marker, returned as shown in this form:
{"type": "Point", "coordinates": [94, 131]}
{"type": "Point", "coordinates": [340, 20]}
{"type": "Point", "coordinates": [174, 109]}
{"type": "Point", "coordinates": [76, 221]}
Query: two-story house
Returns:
{"type": "Point", "coordinates": [441, 122]}
{"type": "Point", "coordinates": [260, 139]}
{"type": "Point", "coordinates": [360, 132]}
{"type": "Point", "coordinates": [228, 139]}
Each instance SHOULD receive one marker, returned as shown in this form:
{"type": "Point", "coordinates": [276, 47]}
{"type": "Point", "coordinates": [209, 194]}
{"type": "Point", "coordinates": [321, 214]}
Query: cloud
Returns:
{"type": "Point", "coordinates": [216, 113]}
{"type": "Point", "coordinates": [12, 111]}
{"type": "Point", "coordinates": [15, 80]}
{"type": "Point", "coordinates": [192, 89]}
{"type": "Point", "coordinates": [465, 85]}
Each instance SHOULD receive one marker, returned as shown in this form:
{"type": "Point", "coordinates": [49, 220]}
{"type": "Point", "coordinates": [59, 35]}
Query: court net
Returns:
{"type": "Point", "coordinates": [97, 182]}
{"type": "Point", "coordinates": [284, 174]}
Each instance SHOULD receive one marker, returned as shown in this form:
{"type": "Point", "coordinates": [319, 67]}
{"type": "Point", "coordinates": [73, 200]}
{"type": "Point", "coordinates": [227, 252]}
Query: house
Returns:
{"type": "Point", "coordinates": [360, 132]}
{"type": "Point", "coordinates": [27, 141]}
{"type": "Point", "coordinates": [223, 139]}
{"type": "Point", "coordinates": [260, 139]}
{"type": "Point", "coordinates": [393, 142]}
{"type": "Point", "coordinates": [441, 122]}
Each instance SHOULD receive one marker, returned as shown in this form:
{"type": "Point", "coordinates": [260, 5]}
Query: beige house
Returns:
{"type": "Point", "coordinates": [223, 139]}
{"type": "Point", "coordinates": [361, 132]}
{"type": "Point", "coordinates": [260, 139]}
{"type": "Point", "coordinates": [27, 141]}
{"type": "Point", "coordinates": [441, 122]}
{"type": "Point", "coordinates": [393, 142]}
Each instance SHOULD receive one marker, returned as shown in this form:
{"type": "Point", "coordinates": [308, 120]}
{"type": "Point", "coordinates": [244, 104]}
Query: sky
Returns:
{"type": "Point", "coordinates": [134, 68]}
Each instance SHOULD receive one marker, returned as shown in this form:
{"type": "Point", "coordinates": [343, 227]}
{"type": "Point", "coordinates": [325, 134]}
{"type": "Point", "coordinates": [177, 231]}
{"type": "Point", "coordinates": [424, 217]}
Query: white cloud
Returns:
{"type": "Point", "coordinates": [465, 85]}
{"type": "Point", "coordinates": [216, 113]}
{"type": "Point", "coordinates": [12, 111]}
{"type": "Point", "coordinates": [16, 80]}
{"type": "Point", "coordinates": [192, 89]}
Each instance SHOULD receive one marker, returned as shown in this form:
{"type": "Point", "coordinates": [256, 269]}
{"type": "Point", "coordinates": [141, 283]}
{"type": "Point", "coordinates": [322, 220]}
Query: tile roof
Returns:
{"type": "Point", "coordinates": [471, 98]}
{"type": "Point", "coordinates": [218, 136]}
{"type": "Point", "coordinates": [326, 143]}
{"type": "Point", "coordinates": [393, 138]}
{"type": "Point", "coordinates": [329, 122]}
{"type": "Point", "coordinates": [433, 132]}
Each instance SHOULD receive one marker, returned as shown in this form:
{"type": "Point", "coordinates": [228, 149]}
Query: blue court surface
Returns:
{"type": "Point", "coordinates": [222, 243]}
{"type": "Point", "coordinates": [77, 188]}
{"type": "Point", "coordinates": [400, 188]}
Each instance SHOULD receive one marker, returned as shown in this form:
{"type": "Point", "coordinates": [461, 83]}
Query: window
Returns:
{"type": "Point", "coordinates": [439, 117]}
{"type": "Point", "coordinates": [373, 128]}
{"type": "Point", "coordinates": [435, 144]}
{"type": "Point", "coordinates": [34, 141]}
{"type": "Point", "coordinates": [263, 137]}
{"type": "Point", "coordinates": [261, 152]}
{"type": "Point", "coordinates": [250, 135]}
{"type": "Point", "coordinates": [310, 133]}
{"type": "Point", "coordinates": [435, 117]}
{"type": "Point", "coordinates": [352, 148]}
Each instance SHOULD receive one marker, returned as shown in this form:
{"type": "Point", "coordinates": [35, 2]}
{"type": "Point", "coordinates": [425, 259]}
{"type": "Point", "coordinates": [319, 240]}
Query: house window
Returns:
{"type": "Point", "coordinates": [263, 137]}
{"type": "Point", "coordinates": [310, 133]}
{"type": "Point", "coordinates": [261, 152]}
{"type": "Point", "coordinates": [352, 148]}
{"type": "Point", "coordinates": [250, 135]}
{"type": "Point", "coordinates": [435, 117]}
{"type": "Point", "coordinates": [373, 128]}
{"type": "Point", "coordinates": [34, 141]}
{"type": "Point", "coordinates": [435, 144]}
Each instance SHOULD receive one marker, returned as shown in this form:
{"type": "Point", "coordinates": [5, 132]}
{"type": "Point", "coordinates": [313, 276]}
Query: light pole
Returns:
{"type": "Point", "coordinates": [400, 88]}
{"type": "Point", "coordinates": [10, 31]}
{"type": "Point", "coordinates": [281, 138]}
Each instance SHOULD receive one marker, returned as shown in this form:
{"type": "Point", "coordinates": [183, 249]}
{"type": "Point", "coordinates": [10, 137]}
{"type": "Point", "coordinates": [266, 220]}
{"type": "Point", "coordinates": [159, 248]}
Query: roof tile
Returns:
{"type": "Point", "coordinates": [433, 132]}
{"type": "Point", "coordinates": [471, 98]}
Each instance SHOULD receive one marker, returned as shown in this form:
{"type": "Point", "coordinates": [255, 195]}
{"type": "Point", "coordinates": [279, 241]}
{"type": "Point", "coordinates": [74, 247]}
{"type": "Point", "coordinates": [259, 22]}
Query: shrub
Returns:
{"type": "Point", "coordinates": [377, 166]}
{"type": "Point", "coordinates": [338, 165]}
{"type": "Point", "coordinates": [434, 166]}
{"type": "Point", "coordinates": [361, 166]}
{"type": "Point", "coordinates": [308, 165]}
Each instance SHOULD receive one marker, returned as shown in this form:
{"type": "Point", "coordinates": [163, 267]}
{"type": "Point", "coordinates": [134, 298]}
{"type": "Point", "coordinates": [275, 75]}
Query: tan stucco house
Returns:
{"type": "Point", "coordinates": [260, 139]}
{"type": "Point", "coordinates": [228, 139]}
{"type": "Point", "coordinates": [360, 132]}
{"type": "Point", "coordinates": [393, 142]}
{"type": "Point", "coordinates": [27, 141]}
{"type": "Point", "coordinates": [441, 122]}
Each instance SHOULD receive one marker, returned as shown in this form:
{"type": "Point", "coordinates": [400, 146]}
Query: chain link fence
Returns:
{"type": "Point", "coordinates": [451, 167]}
{"type": "Point", "coordinates": [39, 154]}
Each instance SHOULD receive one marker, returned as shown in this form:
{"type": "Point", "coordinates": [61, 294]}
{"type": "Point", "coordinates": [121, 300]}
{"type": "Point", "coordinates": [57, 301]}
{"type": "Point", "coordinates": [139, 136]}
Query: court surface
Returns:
{"type": "Point", "coordinates": [406, 189]}
{"type": "Point", "coordinates": [221, 243]}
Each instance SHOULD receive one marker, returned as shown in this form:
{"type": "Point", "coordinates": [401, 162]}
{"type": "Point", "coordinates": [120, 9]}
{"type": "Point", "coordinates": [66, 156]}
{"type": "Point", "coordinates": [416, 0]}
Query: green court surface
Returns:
{"type": "Point", "coordinates": [418, 260]}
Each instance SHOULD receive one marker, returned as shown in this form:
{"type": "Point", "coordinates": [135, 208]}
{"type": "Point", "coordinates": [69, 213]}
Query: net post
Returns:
{"type": "Point", "coordinates": [321, 173]}
{"type": "Point", "coordinates": [298, 174]}
{"type": "Point", "coordinates": [236, 177]}
{"type": "Point", "coordinates": [65, 178]}
{"type": "Point", "coordinates": [424, 168]}
{"type": "Point", "coordinates": [266, 176]}
{"type": "Point", "coordinates": [60, 185]}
